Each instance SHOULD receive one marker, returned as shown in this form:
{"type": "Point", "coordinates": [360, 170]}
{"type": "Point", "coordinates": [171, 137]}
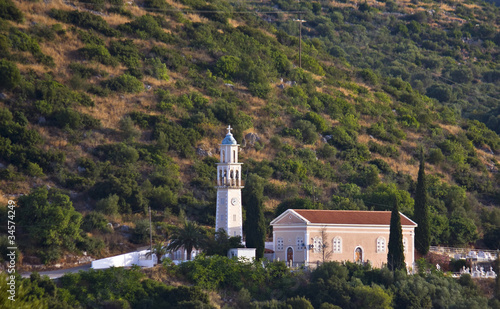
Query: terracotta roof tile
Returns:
{"type": "Point", "coordinates": [350, 217]}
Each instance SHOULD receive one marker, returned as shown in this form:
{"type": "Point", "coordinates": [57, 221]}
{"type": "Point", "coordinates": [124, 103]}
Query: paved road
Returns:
{"type": "Point", "coordinates": [58, 273]}
{"type": "Point", "coordinates": [54, 274]}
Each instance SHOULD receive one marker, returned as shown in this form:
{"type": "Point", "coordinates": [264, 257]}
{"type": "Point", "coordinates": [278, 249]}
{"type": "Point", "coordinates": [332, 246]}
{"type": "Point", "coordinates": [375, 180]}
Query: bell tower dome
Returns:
{"type": "Point", "coordinates": [229, 185]}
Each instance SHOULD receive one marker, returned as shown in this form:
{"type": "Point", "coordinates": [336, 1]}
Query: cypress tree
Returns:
{"type": "Point", "coordinates": [255, 224]}
{"type": "Point", "coordinates": [421, 215]}
{"type": "Point", "coordinates": [396, 256]}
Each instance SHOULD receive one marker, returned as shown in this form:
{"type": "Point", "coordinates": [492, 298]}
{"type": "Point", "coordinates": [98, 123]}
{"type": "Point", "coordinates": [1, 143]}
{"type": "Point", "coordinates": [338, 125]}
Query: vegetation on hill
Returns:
{"type": "Point", "coordinates": [115, 106]}
{"type": "Point", "coordinates": [252, 285]}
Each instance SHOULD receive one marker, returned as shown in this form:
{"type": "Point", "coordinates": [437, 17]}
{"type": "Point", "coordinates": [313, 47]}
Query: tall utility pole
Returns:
{"type": "Point", "coordinates": [150, 234]}
{"type": "Point", "coordinates": [300, 39]}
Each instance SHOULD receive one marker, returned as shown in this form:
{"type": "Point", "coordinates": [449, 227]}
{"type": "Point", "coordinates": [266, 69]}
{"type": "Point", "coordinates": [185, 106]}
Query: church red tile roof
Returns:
{"type": "Point", "coordinates": [350, 217]}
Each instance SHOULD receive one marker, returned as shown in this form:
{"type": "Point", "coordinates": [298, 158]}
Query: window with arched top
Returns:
{"type": "Point", "coordinates": [234, 156]}
{"type": "Point", "coordinates": [380, 244]}
{"type": "Point", "coordinates": [337, 245]}
{"type": "Point", "coordinates": [279, 244]}
{"type": "Point", "coordinates": [223, 156]}
{"type": "Point", "coordinates": [237, 177]}
{"type": "Point", "coordinates": [317, 244]}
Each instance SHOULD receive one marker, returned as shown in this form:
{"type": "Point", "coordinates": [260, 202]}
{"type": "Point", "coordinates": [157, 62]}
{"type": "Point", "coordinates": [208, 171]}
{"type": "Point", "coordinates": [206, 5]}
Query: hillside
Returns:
{"type": "Point", "coordinates": [108, 107]}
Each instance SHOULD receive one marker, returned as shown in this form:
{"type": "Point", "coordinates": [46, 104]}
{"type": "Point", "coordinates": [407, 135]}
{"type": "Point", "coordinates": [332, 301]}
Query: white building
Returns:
{"type": "Point", "coordinates": [229, 215]}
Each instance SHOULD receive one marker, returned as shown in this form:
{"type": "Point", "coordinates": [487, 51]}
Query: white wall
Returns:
{"type": "Point", "coordinates": [242, 253]}
{"type": "Point", "coordinates": [126, 260]}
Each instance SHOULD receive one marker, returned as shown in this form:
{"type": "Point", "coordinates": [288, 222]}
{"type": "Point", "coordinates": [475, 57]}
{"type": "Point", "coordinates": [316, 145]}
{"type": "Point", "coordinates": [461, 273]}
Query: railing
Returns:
{"type": "Point", "coordinates": [462, 251]}
{"type": "Point", "coordinates": [235, 184]}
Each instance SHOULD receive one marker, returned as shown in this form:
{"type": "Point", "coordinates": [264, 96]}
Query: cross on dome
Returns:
{"type": "Point", "coordinates": [229, 139]}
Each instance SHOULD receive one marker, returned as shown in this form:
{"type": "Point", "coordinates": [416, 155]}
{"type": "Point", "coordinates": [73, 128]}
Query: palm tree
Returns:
{"type": "Point", "coordinates": [159, 250]}
{"type": "Point", "coordinates": [188, 236]}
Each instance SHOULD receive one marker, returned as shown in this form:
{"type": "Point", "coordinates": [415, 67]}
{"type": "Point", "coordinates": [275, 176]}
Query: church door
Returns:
{"type": "Point", "coordinates": [358, 255]}
{"type": "Point", "coordinates": [289, 255]}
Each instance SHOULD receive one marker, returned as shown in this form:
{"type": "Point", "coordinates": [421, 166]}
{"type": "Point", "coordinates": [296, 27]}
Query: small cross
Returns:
{"type": "Point", "coordinates": [229, 129]}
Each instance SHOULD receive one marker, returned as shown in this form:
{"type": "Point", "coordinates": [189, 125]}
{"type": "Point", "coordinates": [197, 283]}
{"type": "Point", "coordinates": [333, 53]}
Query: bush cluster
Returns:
{"type": "Point", "coordinates": [85, 20]}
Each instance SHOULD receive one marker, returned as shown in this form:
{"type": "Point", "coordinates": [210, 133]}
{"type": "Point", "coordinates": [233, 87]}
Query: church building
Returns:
{"type": "Point", "coordinates": [304, 236]}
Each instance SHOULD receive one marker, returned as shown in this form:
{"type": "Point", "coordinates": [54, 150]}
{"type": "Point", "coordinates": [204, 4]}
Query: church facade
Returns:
{"type": "Point", "coordinates": [303, 236]}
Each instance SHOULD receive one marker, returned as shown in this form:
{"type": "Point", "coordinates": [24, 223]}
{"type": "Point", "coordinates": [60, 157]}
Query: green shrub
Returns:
{"type": "Point", "coordinates": [140, 234]}
{"type": "Point", "coordinates": [94, 246]}
{"type": "Point", "coordinates": [307, 130]}
{"type": "Point", "coordinates": [83, 70]}
{"type": "Point", "coordinates": [317, 120]}
{"type": "Point", "coordinates": [228, 66]}
{"type": "Point", "coordinates": [128, 130]}
{"type": "Point", "coordinates": [127, 52]}
{"type": "Point", "coordinates": [117, 153]}
{"type": "Point", "coordinates": [108, 205]}
{"type": "Point", "coordinates": [442, 93]}
{"type": "Point", "coordinates": [311, 64]}
{"type": "Point", "coordinates": [90, 37]}
{"type": "Point", "coordinates": [260, 90]}
{"type": "Point", "coordinates": [177, 138]}
{"type": "Point", "coordinates": [34, 170]}
{"type": "Point", "coordinates": [369, 76]}
{"type": "Point", "coordinates": [146, 27]}
{"type": "Point", "coordinates": [161, 198]}
{"type": "Point", "coordinates": [480, 135]}
{"type": "Point", "coordinates": [381, 196]}
{"type": "Point", "coordinates": [10, 76]}
{"type": "Point", "coordinates": [74, 120]}
{"type": "Point", "coordinates": [43, 32]}
{"type": "Point", "coordinates": [95, 221]}
{"type": "Point", "coordinates": [4, 45]}
{"type": "Point", "coordinates": [327, 152]}
{"type": "Point", "coordinates": [24, 42]}
{"type": "Point", "coordinates": [290, 170]}
{"type": "Point", "coordinates": [99, 90]}
{"type": "Point", "coordinates": [124, 83]}
{"type": "Point", "coordinates": [384, 150]}
{"type": "Point", "coordinates": [51, 221]}
{"type": "Point", "coordinates": [85, 20]}
{"type": "Point", "coordinates": [9, 11]}
{"type": "Point", "coordinates": [435, 156]}
{"type": "Point", "coordinates": [172, 58]}
{"type": "Point", "coordinates": [157, 69]}
{"type": "Point", "coordinates": [382, 166]}
{"type": "Point", "coordinates": [98, 53]}
{"type": "Point", "coordinates": [341, 138]}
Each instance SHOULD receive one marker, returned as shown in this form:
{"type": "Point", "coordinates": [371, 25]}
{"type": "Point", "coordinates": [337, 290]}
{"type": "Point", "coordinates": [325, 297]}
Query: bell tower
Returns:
{"type": "Point", "coordinates": [229, 185]}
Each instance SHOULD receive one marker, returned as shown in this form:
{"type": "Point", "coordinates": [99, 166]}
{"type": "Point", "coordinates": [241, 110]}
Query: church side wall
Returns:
{"type": "Point", "coordinates": [352, 237]}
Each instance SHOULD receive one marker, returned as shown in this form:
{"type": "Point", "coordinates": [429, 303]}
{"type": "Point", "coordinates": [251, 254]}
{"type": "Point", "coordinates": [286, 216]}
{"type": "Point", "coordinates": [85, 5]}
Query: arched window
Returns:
{"type": "Point", "coordinates": [237, 177]}
{"type": "Point", "coordinates": [317, 244]}
{"type": "Point", "coordinates": [358, 255]}
{"type": "Point", "coordinates": [234, 156]}
{"type": "Point", "coordinates": [405, 244]}
{"type": "Point", "coordinates": [300, 243]}
{"type": "Point", "coordinates": [337, 245]}
{"type": "Point", "coordinates": [279, 244]}
{"type": "Point", "coordinates": [289, 255]}
{"type": "Point", "coordinates": [232, 177]}
{"type": "Point", "coordinates": [223, 156]}
{"type": "Point", "coordinates": [224, 179]}
{"type": "Point", "coordinates": [380, 244]}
